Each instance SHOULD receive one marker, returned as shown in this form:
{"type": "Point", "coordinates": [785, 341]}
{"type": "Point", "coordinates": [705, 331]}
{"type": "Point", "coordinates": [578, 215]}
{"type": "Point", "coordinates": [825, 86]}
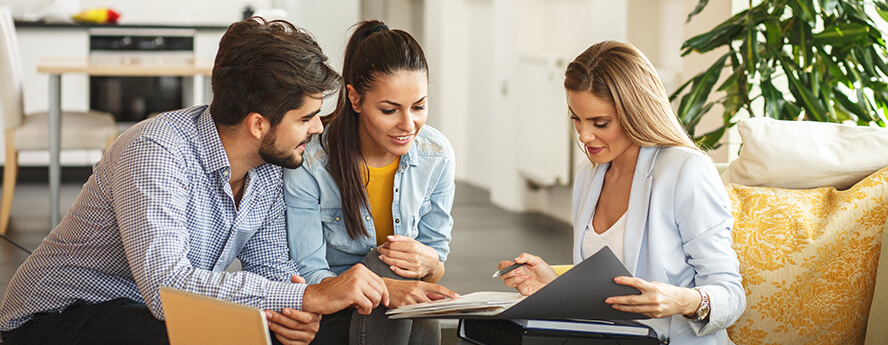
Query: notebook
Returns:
{"type": "Point", "coordinates": [193, 319]}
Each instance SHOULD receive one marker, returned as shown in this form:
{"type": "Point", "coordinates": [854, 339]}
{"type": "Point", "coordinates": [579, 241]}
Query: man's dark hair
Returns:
{"type": "Point", "coordinates": [268, 68]}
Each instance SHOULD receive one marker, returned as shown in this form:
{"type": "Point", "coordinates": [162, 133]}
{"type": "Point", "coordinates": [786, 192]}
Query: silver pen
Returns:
{"type": "Point", "coordinates": [506, 270]}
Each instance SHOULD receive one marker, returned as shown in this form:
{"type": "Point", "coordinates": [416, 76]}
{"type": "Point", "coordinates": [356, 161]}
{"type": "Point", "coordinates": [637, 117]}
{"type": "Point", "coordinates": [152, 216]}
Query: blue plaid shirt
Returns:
{"type": "Point", "coordinates": [158, 211]}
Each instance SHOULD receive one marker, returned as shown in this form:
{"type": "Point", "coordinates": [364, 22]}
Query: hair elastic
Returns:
{"type": "Point", "coordinates": [378, 27]}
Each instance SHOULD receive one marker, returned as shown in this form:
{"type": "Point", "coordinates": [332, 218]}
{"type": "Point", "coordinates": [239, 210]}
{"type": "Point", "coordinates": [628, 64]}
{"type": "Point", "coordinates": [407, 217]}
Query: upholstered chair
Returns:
{"type": "Point", "coordinates": [80, 130]}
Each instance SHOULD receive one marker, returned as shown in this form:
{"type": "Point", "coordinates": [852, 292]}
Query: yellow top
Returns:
{"type": "Point", "coordinates": [380, 194]}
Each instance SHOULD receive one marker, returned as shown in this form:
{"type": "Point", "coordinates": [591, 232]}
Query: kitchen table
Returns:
{"type": "Point", "coordinates": [57, 66]}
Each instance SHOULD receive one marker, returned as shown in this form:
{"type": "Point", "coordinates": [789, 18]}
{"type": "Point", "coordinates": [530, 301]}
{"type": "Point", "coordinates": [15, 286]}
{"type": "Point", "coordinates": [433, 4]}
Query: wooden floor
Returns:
{"type": "Point", "coordinates": [483, 234]}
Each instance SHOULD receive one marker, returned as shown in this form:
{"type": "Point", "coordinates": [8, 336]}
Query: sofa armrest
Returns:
{"type": "Point", "coordinates": [876, 332]}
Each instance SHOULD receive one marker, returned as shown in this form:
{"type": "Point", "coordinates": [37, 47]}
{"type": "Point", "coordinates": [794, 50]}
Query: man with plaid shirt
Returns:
{"type": "Point", "coordinates": [178, 197]}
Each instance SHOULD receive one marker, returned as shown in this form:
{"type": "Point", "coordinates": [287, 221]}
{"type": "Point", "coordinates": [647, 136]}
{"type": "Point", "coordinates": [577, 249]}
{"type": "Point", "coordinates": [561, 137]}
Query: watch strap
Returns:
{"type": "Point", "coordinates": [703, 310]}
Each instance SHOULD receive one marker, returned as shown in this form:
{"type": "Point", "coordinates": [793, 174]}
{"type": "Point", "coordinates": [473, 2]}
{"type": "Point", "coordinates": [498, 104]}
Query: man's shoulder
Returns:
{"type": "Point", "coordinates": [168, 128]}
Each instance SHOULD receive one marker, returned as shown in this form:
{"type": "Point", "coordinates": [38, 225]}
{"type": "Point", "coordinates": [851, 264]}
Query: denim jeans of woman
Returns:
{"type": "Point", "coordinates": [350, 327]}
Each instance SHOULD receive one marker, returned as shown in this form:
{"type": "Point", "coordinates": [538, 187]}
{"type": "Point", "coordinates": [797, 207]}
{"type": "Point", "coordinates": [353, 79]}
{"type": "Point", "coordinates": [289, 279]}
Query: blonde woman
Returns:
{"type": "Point", "coordinates": [650, 195]}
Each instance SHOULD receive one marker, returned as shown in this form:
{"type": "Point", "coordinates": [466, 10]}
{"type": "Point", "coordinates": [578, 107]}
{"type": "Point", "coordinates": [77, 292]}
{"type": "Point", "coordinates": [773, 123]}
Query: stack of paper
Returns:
{"type": "Point", "coordinates": [476, 303]}
{"type": "Point", "coordinates": [593, 326]}
{"type": "Point", "coordinates": [577, 294]}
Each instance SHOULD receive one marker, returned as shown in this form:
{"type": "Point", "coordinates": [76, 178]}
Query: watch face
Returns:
{"type": "Point", "coordinates": [704, 311]}
{"type": "Point", "coordinates": [704, 306]}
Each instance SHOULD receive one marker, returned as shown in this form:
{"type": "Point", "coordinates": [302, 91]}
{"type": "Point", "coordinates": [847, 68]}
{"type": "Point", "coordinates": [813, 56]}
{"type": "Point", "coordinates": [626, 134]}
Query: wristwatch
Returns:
{"type": "Point", "coordinates": [703, 310]}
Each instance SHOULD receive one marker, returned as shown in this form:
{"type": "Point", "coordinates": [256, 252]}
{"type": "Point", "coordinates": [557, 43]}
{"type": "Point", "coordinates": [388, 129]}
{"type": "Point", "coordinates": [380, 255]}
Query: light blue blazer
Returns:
{"type": "Point", "coordinates": [678, 231]}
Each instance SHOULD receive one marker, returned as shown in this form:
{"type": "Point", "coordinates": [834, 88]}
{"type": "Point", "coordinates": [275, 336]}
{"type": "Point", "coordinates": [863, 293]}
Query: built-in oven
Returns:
{"type": "Point", "coordinates": [132, 99]}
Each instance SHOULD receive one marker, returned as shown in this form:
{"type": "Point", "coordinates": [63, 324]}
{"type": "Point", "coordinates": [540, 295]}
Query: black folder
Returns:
{"type": "Point", "coordinates": [505, 332]}
{"type": "Point", "coordinates": [579, 293]}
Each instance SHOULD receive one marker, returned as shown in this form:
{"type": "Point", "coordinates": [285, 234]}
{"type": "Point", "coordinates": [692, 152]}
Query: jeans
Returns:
{"type": "Point", "coordinates": [119, 321]}
{"type": "Point", "coordinates": [350, 327]}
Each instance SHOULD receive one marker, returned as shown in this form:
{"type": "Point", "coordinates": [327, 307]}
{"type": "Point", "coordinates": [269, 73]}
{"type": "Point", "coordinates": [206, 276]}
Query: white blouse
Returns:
{"type": "Point", "coordinates": [613, 238]}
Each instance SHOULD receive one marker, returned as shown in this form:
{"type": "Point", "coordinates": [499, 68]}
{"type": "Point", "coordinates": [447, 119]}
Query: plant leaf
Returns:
{"type": "Point", "coordinates": [791, 111]}
{"type": "Point", "coordinates": [829, 6]}
{"type": "Point", "coordinates": [679, 90]}
{"type": "Point", "coordinates": [697, 10]}
{"type": "Point", "coordinates": [879, 60]}
{"type": "Point", "coordinates": [773, 33]}
{"type": "Point", "coordinates": [841, 35]}
{"type": "Point", "coordinates": [750, 45]}
{"type": "Point", "coordinates": [802, 9]}
{"type": "Point", "coordinates": [826, 95]}
{"type": "Point", "coordinates": [836, 74]}
{"type": "Point", "coordinates": [773, 99]}
{"type": "Point", "coordinates": [803, 95]}
{"type": "Point", "coordinates": [882, 10]}
{"type": "Point", "coordinates": [709, 141]}
{"type": "Point", "coordinates": [693, 101]}
{"type": "Point", "coordinates": [831, 67]}
{"type": "Point", "coordinates": [723, 34]}
{"type": "Point", "coordinates": [865, 61]}
{"type": "Point", "coordinates": [851, 107]}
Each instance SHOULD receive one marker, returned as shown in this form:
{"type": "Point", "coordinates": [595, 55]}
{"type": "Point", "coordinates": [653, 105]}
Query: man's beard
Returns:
{"type": "Point", "coordinates": [284, 158]}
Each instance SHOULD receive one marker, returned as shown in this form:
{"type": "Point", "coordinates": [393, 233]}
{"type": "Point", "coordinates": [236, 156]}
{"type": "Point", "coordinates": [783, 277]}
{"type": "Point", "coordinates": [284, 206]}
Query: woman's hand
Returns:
{"type": "Point", "coordinates": [410, 259]}
{"type": "Point", "coordinates": [529, 278]}
{"type": "Point", "coordinates": [656, 299]}
{"type": "Point", "coordinates": [407, 292]}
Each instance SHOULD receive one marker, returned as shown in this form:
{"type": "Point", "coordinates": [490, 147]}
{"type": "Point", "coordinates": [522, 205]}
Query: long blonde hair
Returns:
{"type": "Point", "coordinates": [619, 73]}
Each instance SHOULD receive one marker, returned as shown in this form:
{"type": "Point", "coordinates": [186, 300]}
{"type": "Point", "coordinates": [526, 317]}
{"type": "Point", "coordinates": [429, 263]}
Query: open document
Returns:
{"type": "Point", "coordinates": [577, 294]}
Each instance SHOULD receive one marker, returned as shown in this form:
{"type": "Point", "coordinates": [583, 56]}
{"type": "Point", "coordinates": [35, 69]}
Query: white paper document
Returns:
{"type": "Point", "coordinates": [476, 303]}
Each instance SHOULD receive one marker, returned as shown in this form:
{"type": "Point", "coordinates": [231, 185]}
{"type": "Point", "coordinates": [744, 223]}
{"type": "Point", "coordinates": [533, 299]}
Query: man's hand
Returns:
{"type": "Point", "coordinates": [293, 327]}
{"type": "Point", "coordinates": [529, 278]}
{"type": "Point", "coordinates": [358, 287]}
{"type": "Point", "coordinates": [407, 292]}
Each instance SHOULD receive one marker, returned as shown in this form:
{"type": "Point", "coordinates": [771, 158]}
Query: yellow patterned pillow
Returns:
{"type": "Point", "coordinates": [808, 260]}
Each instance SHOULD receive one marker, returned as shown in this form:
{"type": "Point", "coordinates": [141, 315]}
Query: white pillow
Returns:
{"type": "Point", "coordinates": [806, 154]}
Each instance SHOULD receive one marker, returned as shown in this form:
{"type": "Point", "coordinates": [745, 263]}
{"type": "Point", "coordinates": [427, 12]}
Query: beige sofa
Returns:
{"type": "Point", "coordinates": [810, 253]}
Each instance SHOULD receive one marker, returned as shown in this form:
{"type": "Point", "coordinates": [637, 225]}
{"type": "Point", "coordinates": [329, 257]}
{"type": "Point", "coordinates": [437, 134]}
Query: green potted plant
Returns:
{"type": "Point", "coordinates": [828, 55]}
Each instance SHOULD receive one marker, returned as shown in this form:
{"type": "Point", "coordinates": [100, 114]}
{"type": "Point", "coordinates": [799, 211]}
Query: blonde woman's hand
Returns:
{"type": "Point", "coordinates": [409, 258]}
{"type": "Point", "coordinates": [656, 300]}
{"type": "Point", "coordinates": [529, 278]}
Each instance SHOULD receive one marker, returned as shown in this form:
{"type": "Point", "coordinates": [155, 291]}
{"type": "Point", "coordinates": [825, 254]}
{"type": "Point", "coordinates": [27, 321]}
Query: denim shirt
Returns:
{"type": "Point", "coordinates": [423, 197]}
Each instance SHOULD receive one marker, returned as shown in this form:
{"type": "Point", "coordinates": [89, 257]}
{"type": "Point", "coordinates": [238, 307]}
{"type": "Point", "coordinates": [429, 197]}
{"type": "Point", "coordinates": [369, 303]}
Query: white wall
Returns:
{"type": "Point", "coordinates": [199, 12]}
{"type": "Point", "coordinates": [327, 20]}
{"type": "Point", "coordinates": [473, 47]}
{"type": "Point", "coordinates": [447, 51]}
